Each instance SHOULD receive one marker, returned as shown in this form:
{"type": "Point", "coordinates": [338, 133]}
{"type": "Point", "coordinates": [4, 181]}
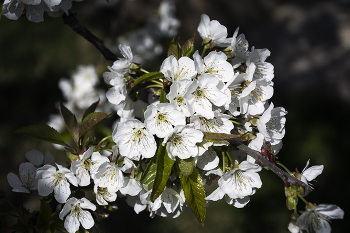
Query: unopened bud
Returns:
{"type": "Point", "coordinates": [294, 217]}
{"type": "Point", "coordinates": [133, 68]}
{"type": "Point", "coordinates": [103, 215]}
{"type": "Point", "coordinates": [264, 151]}
{"type": "Point", "coordinates": [290, 202]}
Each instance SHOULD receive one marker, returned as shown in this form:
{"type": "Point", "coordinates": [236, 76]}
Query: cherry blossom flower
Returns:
{"type": "Point", "coordinates": [87, 166]}
{"type": "Point", "coordinates": [213, 30]}
{"type": "Point", "coordinates": [50, 179]}
{"type": "Point", "coordinates": [208, 160]}
{"type": "Point", "coordinates": [161, 118]}
{"type": "Point", "coordinates": [317, 218]}
{"type": "Point", "coordinates": [240, 47]}
{"type": "Point", "coordinates": [181, 142]}
{"type": "Point", "coordinates": [76, 215]}
{"type": "Point", "coordinates": [175, 70]}
{"type": "Point", "coordinates": [109, 175]}
{"type": "Point", "coordinates": [264, 70]}
{"type": "Point", "coordinates": [214, 63]}
{"type": "Point", "coordinates": [310, 173]}
{"type": "Point", "coordinates": [122, 65]}
{"type": "Point", "coordinates": [202, 93]}
{"type": "Point", "coordinates": [133, 139]}
{"type": "Point", "coordinates": [132, 186]}
{"type": "Point", "coordinates": [103, 195]}
{"type": "Point", "coordinates": [176, 96]}
{"type": "Point", "coordinates": [241, 181]}
{"type": "Point", "coordinates": [27, 180]}
{"type": "Point", "coordinates": [13, 9]}
{"type": "Point", "coordinates": [271, 124]}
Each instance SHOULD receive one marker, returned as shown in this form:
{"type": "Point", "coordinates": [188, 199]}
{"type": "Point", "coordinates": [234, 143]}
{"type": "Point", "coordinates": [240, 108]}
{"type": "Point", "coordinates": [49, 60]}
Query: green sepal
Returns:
{"type": "Point", "coordinates": [90, 109]}
{"type": "Point", "coordinates": [71, 123]}
{"type": "Point", "coordinates": [219, 136]}
{"type": "Point", "coordinates": [150, 173]}
{"type": "Point", "coordinates": [71, 156]}
{"type": "Point", "coordinates": [42, 224]}
{"type": "Point", "coordinates": [162, 97]}
{"type": "Point", "coordinates": [194, 193]}
{"type": "Point", "coordinates": [164, 165]}
{"type": "Point", "coordinates": [91, 120]}
{"type": "Point", "coordinates": [120, 162]}
{"type": "Point", "coordinates": [133, 68]}
{"type": "Point", "coordinates": [174, 49]}
{"type": "Point", "coordinates": [186, 166]}
{"type": "Point", "coordinates": [188, 47]}
{"type": "Point", "coordinates": [42, 132]}
{"type": "Point", "coordinates": [290, 203]}
{"type": "Point", "coordinates": [148, 77]}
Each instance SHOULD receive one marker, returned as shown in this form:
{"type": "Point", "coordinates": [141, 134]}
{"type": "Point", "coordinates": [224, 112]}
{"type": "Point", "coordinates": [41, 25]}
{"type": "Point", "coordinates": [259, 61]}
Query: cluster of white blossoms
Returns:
{"type": "Point", "coordinates": [34, 9]}
{"type": "Point", "coordinates": [219, 93]}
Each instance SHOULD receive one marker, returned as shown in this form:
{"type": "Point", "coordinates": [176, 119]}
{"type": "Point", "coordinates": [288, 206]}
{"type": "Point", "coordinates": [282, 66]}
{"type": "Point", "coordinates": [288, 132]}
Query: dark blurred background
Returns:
{"type": "Point", "coordinates": [310, 50]}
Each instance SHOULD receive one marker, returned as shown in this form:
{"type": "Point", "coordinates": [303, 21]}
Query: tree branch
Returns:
{"type": "Point", "coordinates": [288, 179]}
{"type": "Point", "coordinates": [79, 28]}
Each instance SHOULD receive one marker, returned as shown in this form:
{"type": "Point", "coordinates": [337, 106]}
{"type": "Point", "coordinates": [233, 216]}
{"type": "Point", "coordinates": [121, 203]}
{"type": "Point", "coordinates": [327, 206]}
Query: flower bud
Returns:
{"type": "Point", "coordinates": [133, 68]}
{"type": "Point", "coordinates": [112, 207]}
{"type": "Point", "coordinates": [290, 202]}
{"type": "Point", "coordinates": [103, 215]}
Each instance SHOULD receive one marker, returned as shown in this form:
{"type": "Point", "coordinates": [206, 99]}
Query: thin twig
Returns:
{"type": "Point", "coordinates": [288, 179]}
{"type": "Point", "coordinates": [79, 28]}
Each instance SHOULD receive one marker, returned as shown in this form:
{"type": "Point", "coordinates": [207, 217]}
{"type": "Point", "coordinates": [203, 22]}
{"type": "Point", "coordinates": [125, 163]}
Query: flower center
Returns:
{"type": "Point", "coordinates": [58, 177]}
{"type": "Point", "coordinates": [179, 100]}
{"type": "Point", "coordinates": [198, 93]}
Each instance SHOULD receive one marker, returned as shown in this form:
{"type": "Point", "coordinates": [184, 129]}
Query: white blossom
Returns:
{"type": "Point", "coordinates": [310, 173]}
{"type": "Point", "coordinates": [175, 70]}
{"type": "Point", "coordinates": [240, 47]}
{"type": "Point", "coordinates": [103, 195]}
{"type": "Point", "coordinates": [50, 179]}
{"type": "Point", "coordinates": [27, 180]}
{"type": "Point", "coordinates": [132, 186]}
{"type": "Point", "coordinates": [181, 142]}
{"type": "Point", "coordinates": [317, 218]}
{"type": "Point", "coordinates": [176, 96]}
{"type": "Point", "coordinates": [208, 160]}
{"type": "Point", "coordinates": [214, 30]}
{"type": "Point", "coordinates": [76, 215]}
{"type": "Point", "coordinates": [264, 70]}
{"type": "Point", "coordinates": [122, 65]}
{"type": "Point", "coordinates": [161, 118]}
{"type": "Point", "coordinates": [109, 175]}
{"type": "Point", "coordinates": [134, 140]}
{"type": "Point", "coordinates": [202, 93]}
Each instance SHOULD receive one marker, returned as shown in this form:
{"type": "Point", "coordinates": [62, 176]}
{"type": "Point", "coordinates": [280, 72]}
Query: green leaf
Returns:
{"type": "Point", "coordinates": [148, 77]}
{"type": "Point", "coordinates": [164, 165]}
{"type": "Point", "coordinates": [188, 47]}
{"type": "Point", "coordinates": [194, 193]}
{"type": "Point", "coordinates": [71, 123]}
{"type": "Point", "coordinates": [219, 136]}
{"type": "Point", "coordinates": [90, 109]}
{"type": "Point", "coordinates": [186, 166]}
{"type": "Point", "coordinates": [42, 224]}
{"type": "Point", "coordinates": [174, 49]}
{"type": "Point", "coordinates": [42, 132]}
{"type": "Point", "coordinates": [162, 97]}
{"type": "Point", "coordinates": [150, 173]}
{"type": "Point", "coordinates": [91, 120]}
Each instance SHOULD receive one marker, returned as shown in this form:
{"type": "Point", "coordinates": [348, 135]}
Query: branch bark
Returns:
{"type": "Point", "coordinates": [79, 28]}
{"type": "Point", "coordinates": [288, 179]}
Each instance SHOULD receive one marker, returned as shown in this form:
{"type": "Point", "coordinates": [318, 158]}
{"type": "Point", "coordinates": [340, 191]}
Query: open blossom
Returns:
{"type": "Point", "coordinates": [87, 166]}
{"type": "Point", "coordinates": [175, 70]}
{"type": "Point", "coordinates": [103, 195]}
{"type": "Point", "coordinates": [161, 118]}
{"type": "Point", "coordinates": [76, 214]}
{"type": "Point", "coordinates": [214, 63]}
{"type": "Point", "coordinates": [134, 140]}
{"type": "Point", "coordinates": [208, 160]}
{"type": "Point", "coordinates": [170, 203]}
{"type": "Point", "coordinates": [27, 180]}
{"type": "Point", "coordinates": [264, 70]}
{"type": "Point", "coordinates": [213, 30]}
{"type": "Point", "coordinates": [310, 173]}
{"type": "Point", "coordinates": [317, 218]}
{"type": "Point", "coordinates": [131, 187]}
{"type": "Point", "coordinates": [241, 181]}
{"type": "Point", "coordinates": [240, 47]}
{"type": "Point", "coordinates": [271, 124]}
{"type": "Point", "coordinates": [109, 175]}
{"type": "Point", "coordinates": [176, 96]}
{"type": "Point", "coordinates": [122, 65]}
{"type": "Point", "coordinates": [181, 142]}
{"type": "Point", "coordinates": [50, 179]}
{"type": "Point", "coordinates": [202, 93]}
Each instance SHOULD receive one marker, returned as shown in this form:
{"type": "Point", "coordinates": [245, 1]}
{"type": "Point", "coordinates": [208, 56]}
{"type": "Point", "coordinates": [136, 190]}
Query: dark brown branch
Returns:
{"type": "Point", "coordinates": [79, 28]}
{"type": "Point", "coordinates": [288, 179]}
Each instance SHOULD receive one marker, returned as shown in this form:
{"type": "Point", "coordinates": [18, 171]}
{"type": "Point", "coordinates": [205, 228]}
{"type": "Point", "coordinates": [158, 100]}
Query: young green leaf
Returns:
{"type": "Point", "coordinates": [148, 77]}
{"type": "Point", "coordinates": [71, 123]}
{"type": "Point", "coordinates": [162, 97]}
{"type": "Point", "coordinates": [194, 193]}
{"type": "Point", "coordinates": [150, 173]}
{"type": "Point", "coordinates": [42, 224]}
{"type": "Point", "coordinates": [42, 132]}
{"type": "Point", "coordinates": [164, 165]}
{"type": "Point", "coordinates": [219, 136]}
{"type": "Point", "coordinates": [90, 109]}
{"type": "Point", "coordinates": [188, 47]}
{"type": "Point", "coordinates": [186, 166]}
{"type": "Point", "coordinates": [174, 49]}
{"type": "Point", "coordinates": [91, 120]}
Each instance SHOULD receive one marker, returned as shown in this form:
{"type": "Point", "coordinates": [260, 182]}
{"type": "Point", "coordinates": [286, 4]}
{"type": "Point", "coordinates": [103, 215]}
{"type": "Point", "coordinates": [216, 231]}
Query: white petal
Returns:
{"type": "Point", "coordinates": [67, 207]}
{"type": "Point", "coordinates": [62, 191]}
{"type": "Point", "coordinates": [14, 181]}
{"type": "Point", "coordinates": [71, 223]}
{"type": "Point", "coordinates": [35, 157]}
{"type": "Point", "coordinates": [86, 204]}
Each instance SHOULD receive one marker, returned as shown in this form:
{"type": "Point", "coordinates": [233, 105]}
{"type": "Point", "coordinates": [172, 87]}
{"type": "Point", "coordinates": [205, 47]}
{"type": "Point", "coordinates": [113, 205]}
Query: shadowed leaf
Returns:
{"type": "Point", "coordinates": [188, 47]}
{"type": "Point", "coordinates": [71, 123]}
{"type": "Point", "coordinates": [91, 120]}
{"type": "Point", "coordinates": [90, 109]}
{"type": "Point", "coordinates": [42, 132]}
{"type": "Point", "coordinates": [150, 173]}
